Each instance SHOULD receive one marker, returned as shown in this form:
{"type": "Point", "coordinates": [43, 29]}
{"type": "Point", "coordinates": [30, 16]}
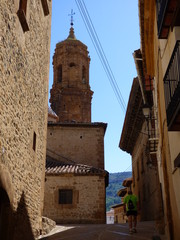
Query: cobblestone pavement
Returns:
{"type": "Point", "coordinates": [145, 231]}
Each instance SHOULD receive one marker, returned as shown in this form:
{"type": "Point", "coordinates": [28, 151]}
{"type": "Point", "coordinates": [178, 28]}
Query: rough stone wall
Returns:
{"type": "Point", "coordinates": [88, 199]}
{"type": "Point", "coordinates": [24, 69]}
{"type": "Point", "coordinates": [81, 144]}
{"type": "Point", "coordinates": [145, 181]}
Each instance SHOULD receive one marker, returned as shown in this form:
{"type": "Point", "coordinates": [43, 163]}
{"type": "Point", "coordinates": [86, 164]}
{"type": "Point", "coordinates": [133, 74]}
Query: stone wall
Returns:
{"type": "Point", "coordinates": [88, 199]}
{"type": "Point", "coordinates": [24, 70]}
{"type": "Point", "coordinates": [146, 183]}
{"type": "Point", "coordinates": [80, 143]}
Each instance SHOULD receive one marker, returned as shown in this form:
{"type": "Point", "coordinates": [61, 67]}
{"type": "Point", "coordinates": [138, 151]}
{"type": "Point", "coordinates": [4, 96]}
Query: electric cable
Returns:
{"type": "Point", "coordinates": [99, 49]}
{"type": "Point", "coordinates": [103, 53]}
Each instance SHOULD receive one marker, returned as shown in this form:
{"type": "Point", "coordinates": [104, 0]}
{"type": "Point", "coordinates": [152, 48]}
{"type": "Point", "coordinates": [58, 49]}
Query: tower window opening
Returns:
{"type": "Point", "coordinates": [72, 64]}
{"type": "Point", "coordinates": [84, 74]}
{"type": "Point", "coordinates": [60, 73]}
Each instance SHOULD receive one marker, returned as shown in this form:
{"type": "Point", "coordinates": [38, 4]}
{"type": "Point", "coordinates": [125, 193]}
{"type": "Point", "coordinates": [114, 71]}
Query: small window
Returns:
{"type": "Point", "coordinates": [34, 141]}
{"type": "Point", "coordinates": [45, 7]}
{"type": "Point", "coordinates": [84, 74]}
{"type": "Point", "coordinates": [65, 196]}
{"type": "Point", "coordinates": [72, 64]}
{"type": "Point", "coordinates": [60, 73]}
{"type": "Point", "coordinates": [22, 14]}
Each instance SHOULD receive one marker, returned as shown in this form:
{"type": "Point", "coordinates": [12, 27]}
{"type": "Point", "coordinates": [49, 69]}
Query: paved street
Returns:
{"type": "Point", "coordinates": [103, 232]}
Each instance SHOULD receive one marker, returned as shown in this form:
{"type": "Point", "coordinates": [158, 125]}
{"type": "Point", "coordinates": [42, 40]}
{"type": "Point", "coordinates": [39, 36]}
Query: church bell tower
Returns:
{"type": "Point", "coordinates": [71, 94]}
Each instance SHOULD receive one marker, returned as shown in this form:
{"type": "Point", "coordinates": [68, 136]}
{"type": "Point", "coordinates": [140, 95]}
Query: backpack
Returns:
{"type": "Point", "coordinates": [130, 204]}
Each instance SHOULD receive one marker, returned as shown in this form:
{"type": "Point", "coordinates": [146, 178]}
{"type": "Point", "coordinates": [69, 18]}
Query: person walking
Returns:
{"type": "Point", "coordinates": [130, 208]}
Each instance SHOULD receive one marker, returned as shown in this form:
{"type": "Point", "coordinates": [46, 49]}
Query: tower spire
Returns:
{"type": "Point", "coordinates": [71, 32]}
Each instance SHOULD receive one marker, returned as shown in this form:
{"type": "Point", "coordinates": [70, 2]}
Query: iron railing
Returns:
{"type": "Point", "coordinates": [172, 81]}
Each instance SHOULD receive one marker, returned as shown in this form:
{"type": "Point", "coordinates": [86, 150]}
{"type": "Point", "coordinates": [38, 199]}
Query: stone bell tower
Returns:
{"type": "Point", "coordinates": [71, 94]}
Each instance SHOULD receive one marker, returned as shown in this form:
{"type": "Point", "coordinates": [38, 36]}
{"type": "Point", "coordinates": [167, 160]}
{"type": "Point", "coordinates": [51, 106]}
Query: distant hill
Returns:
{"type": "Point", "coordinates": [115, 183]}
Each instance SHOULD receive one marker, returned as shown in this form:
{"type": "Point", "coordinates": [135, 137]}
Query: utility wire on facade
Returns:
{"type": "Point", "coordinates": [99, 49]}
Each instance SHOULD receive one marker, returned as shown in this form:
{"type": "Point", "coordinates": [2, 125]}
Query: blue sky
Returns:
{"type": "Point", "coordinates": [117, 25]}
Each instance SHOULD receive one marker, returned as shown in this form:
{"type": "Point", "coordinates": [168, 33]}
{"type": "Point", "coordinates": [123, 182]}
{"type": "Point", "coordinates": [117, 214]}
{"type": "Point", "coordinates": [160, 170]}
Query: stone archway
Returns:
{"type": "Point", "coordinates": [6, 202]}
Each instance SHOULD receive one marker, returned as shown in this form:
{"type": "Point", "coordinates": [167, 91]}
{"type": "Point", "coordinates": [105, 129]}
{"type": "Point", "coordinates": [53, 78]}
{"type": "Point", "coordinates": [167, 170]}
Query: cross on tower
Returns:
{"type": "Point", "coordinates": [71, 14]}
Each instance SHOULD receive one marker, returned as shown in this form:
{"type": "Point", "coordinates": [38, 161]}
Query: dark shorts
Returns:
{"type": "Point", "coordinates": [131, 213]}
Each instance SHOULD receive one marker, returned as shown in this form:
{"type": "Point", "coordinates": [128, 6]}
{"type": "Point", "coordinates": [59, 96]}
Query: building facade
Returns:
{"type": "Point", "coordinates": [76, 194]}
{"type": "Point", "coordinates": [134, 140]}
{"type": "Point", "coordinates": [24, 70]}
{"type": "Point", "coordinates": [157, 64]}
{"type": "Point", "coordinates": [160, 35]}
{"type": "Point", "coordinates": [71, 94]}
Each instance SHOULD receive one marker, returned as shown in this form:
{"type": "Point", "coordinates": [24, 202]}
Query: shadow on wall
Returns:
{"type": "Point", "coordinates": [14, 225]}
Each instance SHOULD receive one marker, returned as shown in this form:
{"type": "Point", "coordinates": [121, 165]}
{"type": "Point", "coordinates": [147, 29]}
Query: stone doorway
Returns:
{"type": "Point", "coordinates": [5, 216]}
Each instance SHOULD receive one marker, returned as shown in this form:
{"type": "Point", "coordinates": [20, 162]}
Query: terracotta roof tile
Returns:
{"type": "Point", "coordinates": [55, 167]}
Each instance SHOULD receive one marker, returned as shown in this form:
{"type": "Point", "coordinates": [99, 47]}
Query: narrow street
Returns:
{"type": "Point", "coordinates": [145, 231]}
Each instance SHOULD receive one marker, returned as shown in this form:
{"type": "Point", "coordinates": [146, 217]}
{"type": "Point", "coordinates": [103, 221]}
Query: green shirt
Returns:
{"type": "Point", "coordinates": [134, 199]}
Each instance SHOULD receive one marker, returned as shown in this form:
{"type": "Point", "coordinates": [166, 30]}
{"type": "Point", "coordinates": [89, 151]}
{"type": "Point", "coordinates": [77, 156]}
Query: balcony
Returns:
{"type": "Point", "coordinates": [168, 16]}
{"type": "Point", "coordinates": [172, 90]}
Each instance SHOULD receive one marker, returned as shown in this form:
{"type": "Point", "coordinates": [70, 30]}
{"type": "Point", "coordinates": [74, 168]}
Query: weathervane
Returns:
{"type": "Point", "coordinates": [71, 14]}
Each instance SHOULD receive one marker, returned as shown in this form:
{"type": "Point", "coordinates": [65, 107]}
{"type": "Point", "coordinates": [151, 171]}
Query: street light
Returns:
{"type": "Point", "coordinates": [146, 111]}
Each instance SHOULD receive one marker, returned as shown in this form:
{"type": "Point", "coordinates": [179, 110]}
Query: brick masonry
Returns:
{"type": "Point", "coordinates": [71, 94]}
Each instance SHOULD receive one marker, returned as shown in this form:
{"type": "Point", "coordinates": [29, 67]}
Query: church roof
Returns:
{"type": "Point", "coordinates": [71, 40]}
{"type": "Point", "coordinates": [55, 167]}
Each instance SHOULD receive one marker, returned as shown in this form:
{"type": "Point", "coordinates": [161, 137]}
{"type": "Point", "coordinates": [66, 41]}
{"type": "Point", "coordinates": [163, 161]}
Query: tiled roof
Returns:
{"type": "Point", "coordinates": [55, 167]}
{"type": "Point", "coordinates": [133, 120]}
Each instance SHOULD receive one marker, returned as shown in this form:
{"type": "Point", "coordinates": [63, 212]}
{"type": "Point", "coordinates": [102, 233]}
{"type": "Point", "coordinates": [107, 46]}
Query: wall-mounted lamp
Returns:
{"type": "Point", "coordinates": [146, 111]}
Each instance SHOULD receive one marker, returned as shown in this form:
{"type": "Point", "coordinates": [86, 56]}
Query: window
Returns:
{"type": "Point", "coordinates": [59, 77]}
{"type": "Point", "coordinates": [34, 141]}
{"type": "Point", "coordinates": [22, 15]}
{"type": "Point", "coordinates": [45, 7]}
{"type": "Point", "coordinates": [84, 74]}
{"type": "Point", "coordinates": [65, 196]}
{"type": "Point", "coordinates": [72, 64]}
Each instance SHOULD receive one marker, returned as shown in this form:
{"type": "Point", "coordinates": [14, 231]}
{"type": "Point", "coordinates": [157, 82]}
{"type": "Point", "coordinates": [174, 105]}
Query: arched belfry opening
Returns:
{"type": "Point", "coordinates": [6, 216]}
